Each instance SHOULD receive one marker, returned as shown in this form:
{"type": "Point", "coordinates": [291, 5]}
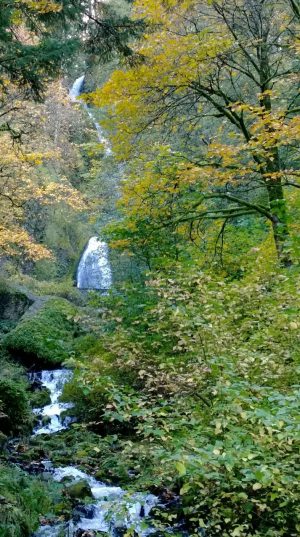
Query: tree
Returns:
{"type": "Point", "coordinates": [223, 75]}
{"type": "Point", "coordinates": [37, 39]}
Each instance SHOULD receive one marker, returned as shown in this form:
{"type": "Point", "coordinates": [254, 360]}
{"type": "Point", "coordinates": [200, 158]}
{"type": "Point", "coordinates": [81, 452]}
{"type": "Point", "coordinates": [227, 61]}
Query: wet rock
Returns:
{"type": "Point", "coordinates": [35, 468]}
{"type": "Point", "coordinates": [86, 511]}
{"type": "Point", "coordinates": [119, 531]}
{"type": "Point", "coordinates": [79, 490]}
{"type": "Point", "coordinates": [36, 384]}
{"type": "Point", "coordinates": [86, 533]}
{"type": "Point", "coordinates": [67, 479]}
{"type": "Point", "coordinates": [45, 420]}
{"type": "Point", "coordinates": [3, 440]}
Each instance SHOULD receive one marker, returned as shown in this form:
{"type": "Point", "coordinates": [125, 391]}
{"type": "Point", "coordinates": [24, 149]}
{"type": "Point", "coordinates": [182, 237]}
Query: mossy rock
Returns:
{"type": "Point", "coordinates": [13, 303]}
{"type": "Point", "coordinates": [3, 440]}
{"type": "Point", "coordinates": [44, 338]}
{"type": "Point", "coordinates": [45, 420]}
{"type": "Point", "coordinates": [79, 490]}
{"type": "Point", "coordinates": [40, 398]}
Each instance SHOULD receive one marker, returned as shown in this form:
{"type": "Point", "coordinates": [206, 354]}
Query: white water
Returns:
{"type": "Point", "coordinates": [74, 95]}
{"type": "Point", "coordinates": [54, 381]}
{"type": "Point", "coordinates": [113, 507]}
{"type": "Point", "coordinates": [94, 271]}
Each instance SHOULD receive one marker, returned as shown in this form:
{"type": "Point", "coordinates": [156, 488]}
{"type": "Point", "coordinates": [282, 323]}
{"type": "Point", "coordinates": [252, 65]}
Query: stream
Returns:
{"type": "Point", "coordinates": [113, 510]}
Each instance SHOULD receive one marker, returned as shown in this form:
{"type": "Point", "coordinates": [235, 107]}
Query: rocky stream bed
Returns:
{"type": "Point", "coordinates": [96, 507]}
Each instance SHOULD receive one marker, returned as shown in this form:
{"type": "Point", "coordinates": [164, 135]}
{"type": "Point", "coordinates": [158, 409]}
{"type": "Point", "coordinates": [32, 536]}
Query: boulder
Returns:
{"type": "Point", "coordinates": [45, 420]}
{"type": "Point", "coordinates": [85, 533]}
{"type": "Point", "coordinates": [13, 303]}
{"type": "Point", "coordinates": [83, 511]}
{"type": "Point", "coordinates": [79, 490]}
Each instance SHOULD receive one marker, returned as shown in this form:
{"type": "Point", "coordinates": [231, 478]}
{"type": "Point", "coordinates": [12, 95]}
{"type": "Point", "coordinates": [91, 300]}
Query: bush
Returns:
{"type": "Point", "coordinates": [46, 337]}
{"type": "Point", "coordinates": [196, 377]}
{"type": "Point", "coordinates": [23, 500]}
{"type": "Point", "coordinates": [14, 403]}
{"type": "Point", "coordinates": [14, 406]}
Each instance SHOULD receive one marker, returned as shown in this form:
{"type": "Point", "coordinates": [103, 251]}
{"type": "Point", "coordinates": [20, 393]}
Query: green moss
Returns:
{"type": "Point", "coordinates": [13, 303]}
{"type": "Point", "coordinates": [79, 490]}
{"type": "Point", "coordinates": [40, 398]}
{"type": "Point", "coordinates": [44, 338]}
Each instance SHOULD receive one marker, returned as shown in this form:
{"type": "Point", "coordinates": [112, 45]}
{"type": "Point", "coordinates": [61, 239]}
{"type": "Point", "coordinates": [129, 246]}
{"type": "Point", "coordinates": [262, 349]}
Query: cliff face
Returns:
{"type": "Point", "coordinates": [13, 304]}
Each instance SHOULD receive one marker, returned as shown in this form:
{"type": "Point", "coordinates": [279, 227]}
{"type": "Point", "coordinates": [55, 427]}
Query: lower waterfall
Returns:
{"type": "Point", "coordinates": [94, 271]}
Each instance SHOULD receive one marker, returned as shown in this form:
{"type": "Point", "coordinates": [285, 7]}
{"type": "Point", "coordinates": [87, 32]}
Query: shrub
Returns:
{"type": "Point", "coordinates": [196, 377]}
{"type": "Point", "coordinates": [23, 500]}
{"type": "Point", "coordinates": [14, 407]}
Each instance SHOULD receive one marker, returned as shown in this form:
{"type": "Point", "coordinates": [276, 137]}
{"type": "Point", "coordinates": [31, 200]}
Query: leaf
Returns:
{"type": "Point", "coordinates": [257, 486]}
{"type": "Point", "coordinates": [185, 488]}
{"type": "Point", "coordinates": [181, 468]}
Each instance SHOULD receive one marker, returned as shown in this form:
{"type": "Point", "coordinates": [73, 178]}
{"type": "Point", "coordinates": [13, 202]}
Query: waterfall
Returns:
{"type": "Point", "coordinates": [54, 381]}
{"type": "Point", "coordinates": [76, 88]}
{"type": "Point", "coordinates": [74, 94]}
{"type": "Point", "coordinates": [111, 510]}
{"type": "Point", "coordinates": [94, 270]}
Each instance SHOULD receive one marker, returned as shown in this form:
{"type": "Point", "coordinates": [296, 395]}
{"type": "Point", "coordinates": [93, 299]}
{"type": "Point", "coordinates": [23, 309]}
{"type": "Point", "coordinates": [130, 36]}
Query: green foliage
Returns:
{"type": "Point", "coordinates": [15, 411]}
{"type": "Point", "coordinates": [23, 500]}
{"type": "Point", "coordinates": [14, 406]}
{"type": "Point", "coordinates": [30, 63]}
{"type": "Point", "coordinates": [46, 336]}
{"type": "Point", "coordinates": [194, 378]}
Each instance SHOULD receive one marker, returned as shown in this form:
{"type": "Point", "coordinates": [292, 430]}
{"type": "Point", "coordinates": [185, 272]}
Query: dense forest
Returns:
{"type": "Point", "coordinates": [149, 268]}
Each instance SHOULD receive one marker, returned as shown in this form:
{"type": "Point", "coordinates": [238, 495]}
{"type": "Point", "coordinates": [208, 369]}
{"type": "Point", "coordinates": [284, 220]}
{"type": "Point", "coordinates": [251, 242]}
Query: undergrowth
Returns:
{"type": "Point", "coordinates": [195, 379]}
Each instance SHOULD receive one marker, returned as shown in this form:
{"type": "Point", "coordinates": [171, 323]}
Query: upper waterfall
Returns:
{"type": "Point", "coordinates": [76, 88]}
{"type": "Point", "coordinates": [74, 93]}
{"type": "Point", "coordinates": [94, 271]}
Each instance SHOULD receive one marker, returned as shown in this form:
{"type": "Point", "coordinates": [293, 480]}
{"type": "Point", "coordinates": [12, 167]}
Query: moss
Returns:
{"type": "Point", "coordinates": [45, 337]}
{"type": "Point", "coordinates": [40, 398]}
{"type": "Point", "coordinates": [78, 490]}
{"type": "Point", "coordinates": [13, 303]}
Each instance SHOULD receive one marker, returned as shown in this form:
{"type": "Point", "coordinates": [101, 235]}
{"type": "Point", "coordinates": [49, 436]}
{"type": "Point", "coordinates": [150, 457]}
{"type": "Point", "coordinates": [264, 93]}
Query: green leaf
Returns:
{"type": "Point", "coordinates": [181, 468]}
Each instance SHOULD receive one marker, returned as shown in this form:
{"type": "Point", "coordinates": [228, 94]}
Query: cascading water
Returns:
{"type": "Point", "coordinates": [54, 381]}
{"type": "Point", "coordinates": [113, 509]}
{"type": "Point", "coordinates": [94, 271]}
{"type": "Point", "coordinates": [74, 95]}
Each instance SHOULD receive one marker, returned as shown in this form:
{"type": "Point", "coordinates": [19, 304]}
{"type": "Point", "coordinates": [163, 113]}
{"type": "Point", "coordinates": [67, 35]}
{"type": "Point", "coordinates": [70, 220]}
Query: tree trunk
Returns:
{"type": "Point", "coordinates": [272, 167]}
{"type": "Point", "coordinates": [279, 222]}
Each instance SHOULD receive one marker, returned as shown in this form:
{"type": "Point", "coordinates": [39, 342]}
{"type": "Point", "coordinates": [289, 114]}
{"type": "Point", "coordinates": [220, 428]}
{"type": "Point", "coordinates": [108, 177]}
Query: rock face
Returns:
{"type": "Point", "coordinates": [13, 304]}
{"type": "Point", "coordinates": [79, 490]}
